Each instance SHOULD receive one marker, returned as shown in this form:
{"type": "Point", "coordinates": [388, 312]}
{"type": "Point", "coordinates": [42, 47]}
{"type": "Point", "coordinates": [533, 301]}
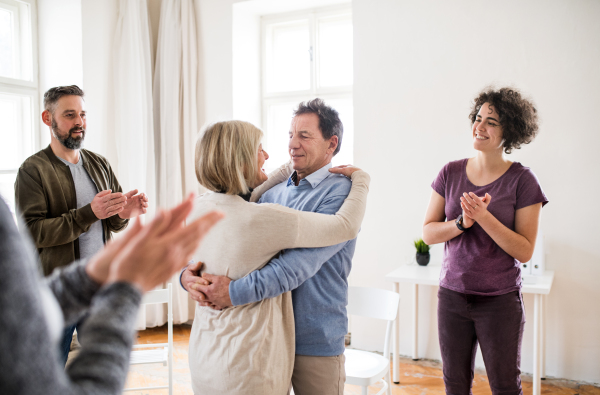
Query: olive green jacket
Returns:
{"type": "Point", "coordinates": [46, 200]}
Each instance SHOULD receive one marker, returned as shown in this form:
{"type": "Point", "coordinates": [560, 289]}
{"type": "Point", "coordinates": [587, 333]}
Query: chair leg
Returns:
{"type": "Point", "coordinates": [365, 390]}
{"type": "Point", "coordinates": [389, 383]}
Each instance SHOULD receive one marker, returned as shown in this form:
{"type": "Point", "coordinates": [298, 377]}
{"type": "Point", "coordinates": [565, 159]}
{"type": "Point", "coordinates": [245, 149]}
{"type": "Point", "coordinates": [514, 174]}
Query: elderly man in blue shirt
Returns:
{"type": "Point", "coordinates": [317, 277]}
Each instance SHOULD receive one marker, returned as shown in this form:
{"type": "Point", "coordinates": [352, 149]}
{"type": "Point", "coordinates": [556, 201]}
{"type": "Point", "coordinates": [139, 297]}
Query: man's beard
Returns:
{"type": "Point", "coordinates": [67, 139]}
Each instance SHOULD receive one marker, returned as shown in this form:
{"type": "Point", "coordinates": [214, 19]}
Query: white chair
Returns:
{"type": "Point", "coordinates": [366, 368]}
{"type": "Point", "coordinates": [162, 352]}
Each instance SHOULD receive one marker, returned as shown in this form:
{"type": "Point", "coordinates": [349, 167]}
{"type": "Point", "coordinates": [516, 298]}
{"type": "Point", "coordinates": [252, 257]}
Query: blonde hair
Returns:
{"type": "Point", "coordinates": [227, 156]}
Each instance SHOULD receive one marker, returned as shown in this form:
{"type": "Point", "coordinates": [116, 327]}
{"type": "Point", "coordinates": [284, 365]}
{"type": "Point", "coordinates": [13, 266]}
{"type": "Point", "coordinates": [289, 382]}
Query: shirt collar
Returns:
{"type": "Point", "coordinates": [245, 196]}
{"type": "Point", "coordinates": [314, 179]}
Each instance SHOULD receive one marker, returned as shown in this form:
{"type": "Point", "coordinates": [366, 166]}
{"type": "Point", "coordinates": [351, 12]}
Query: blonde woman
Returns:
{"type": "Point", "coordinates": [249, 349]}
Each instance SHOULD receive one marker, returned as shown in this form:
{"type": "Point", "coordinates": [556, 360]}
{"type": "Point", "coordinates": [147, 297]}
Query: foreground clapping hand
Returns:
{"type": "Point", "coordinates": [148, 255]}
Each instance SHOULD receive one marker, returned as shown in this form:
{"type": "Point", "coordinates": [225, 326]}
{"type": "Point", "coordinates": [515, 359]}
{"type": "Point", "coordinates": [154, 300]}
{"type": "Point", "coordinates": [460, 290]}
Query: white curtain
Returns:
{"type": "Point", "coordinates": [156, 121]}
{"type": "Point", "coordinates": [133, 114]}
{"type": "Point", "coordinates": [175, 118]}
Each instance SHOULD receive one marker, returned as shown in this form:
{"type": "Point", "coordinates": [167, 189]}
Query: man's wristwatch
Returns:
{"type": "Point", "coordinates": [459, 223]}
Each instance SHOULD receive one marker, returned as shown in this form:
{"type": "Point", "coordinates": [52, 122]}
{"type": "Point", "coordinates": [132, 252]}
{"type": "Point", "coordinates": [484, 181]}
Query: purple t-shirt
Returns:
{"type": "Point", "coordinates": [473, 263]}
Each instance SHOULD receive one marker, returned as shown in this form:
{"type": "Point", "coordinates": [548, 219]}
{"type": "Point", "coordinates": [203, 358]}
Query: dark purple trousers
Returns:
{"type": "Point", "coordinates": [496, 323]}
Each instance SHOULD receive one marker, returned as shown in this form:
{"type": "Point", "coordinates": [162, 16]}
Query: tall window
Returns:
{"type": "Point", "coordinates": [306, 55]}
{"type": "Point", "coordinates": [18, 91]}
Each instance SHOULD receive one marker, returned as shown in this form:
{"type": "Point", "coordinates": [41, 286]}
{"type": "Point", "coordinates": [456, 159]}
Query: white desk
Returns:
{"type": "Point", "coordinates": [429, 275]}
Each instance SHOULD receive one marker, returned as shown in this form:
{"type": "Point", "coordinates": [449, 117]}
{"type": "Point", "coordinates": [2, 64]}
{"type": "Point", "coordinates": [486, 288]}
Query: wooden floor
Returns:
{"type": "Point", "coordinates": [418, 378]}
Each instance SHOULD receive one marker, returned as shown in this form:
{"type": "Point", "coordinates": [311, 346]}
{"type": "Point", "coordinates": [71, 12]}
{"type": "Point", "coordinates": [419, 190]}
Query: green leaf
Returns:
{"type": "Point", "coordinates": [421, 247]}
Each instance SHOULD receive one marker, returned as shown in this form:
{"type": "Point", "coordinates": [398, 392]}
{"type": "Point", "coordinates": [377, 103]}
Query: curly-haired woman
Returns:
{"type": "Point", "coordinates": [486, 210]}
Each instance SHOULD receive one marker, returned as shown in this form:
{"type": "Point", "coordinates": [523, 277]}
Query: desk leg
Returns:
{"type": "Point", "coordinates": [396, 345]}
{"type": "Point", "coordinates": [415, 322]}
{"type": "Point", "coordinates": [536, 345]}
{"type": "Point", "coordinates": [543, 337]}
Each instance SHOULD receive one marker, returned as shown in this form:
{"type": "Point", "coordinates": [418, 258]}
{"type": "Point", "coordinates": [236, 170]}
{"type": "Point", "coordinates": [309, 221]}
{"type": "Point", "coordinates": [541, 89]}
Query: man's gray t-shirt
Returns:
{"type": "Point", "coordinates": [92, 241]}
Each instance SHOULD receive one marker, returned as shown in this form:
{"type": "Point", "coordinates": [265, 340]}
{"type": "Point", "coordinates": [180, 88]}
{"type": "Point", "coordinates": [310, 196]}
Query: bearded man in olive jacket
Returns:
{"type": "Point", "coordinates": [69, 197]}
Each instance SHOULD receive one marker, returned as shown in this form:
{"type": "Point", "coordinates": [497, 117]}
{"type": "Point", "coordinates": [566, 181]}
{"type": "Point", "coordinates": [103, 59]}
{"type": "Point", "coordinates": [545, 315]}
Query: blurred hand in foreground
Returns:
{"type": "Point", "coordinates": [148, 255]}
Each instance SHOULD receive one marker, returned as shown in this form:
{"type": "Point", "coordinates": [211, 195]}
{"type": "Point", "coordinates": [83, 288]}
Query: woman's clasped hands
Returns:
{"type": "Point", "coordinates": [474, 208]}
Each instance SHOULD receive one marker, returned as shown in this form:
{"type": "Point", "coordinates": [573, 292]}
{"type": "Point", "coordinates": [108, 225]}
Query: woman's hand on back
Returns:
{"type": "Point", "coordinates": [345, 170]}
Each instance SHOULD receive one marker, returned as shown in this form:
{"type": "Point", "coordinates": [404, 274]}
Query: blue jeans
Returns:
{"type": "Point", "coordinates": [494, 322]}
{"type": "Point", "coordinates": [65, 344]}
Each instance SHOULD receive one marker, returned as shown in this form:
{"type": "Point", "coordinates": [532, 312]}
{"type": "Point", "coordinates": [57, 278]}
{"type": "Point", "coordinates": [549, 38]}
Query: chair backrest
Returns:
{"type": "Point", "coordinates": [373, 303]}
{"type": "Point", "coordinates": [157, 296]}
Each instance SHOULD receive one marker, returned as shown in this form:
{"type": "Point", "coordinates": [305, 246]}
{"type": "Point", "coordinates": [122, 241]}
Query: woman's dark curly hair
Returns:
{"type": "Point", "coordinates": [518, 116]}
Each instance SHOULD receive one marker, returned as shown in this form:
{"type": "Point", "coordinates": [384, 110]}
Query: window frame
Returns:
{"type": "Point", "coordinates": [313, 15]}
{"type": "Point", "coordinates": [22, 25]}
{"type": "Point", "coordinates": [29, 88]}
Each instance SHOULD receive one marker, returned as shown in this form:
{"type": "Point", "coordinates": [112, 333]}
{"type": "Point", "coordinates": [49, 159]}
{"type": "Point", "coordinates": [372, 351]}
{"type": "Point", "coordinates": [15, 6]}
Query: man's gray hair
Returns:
{"type": "Point", "coordinates": [329, 119]}
{"type": "Point", "coordinates": [52, 96]}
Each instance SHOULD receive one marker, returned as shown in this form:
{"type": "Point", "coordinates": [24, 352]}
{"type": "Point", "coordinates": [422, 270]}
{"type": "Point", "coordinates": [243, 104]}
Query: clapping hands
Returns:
{"type": "Point", "coordinates": [474, 208]}
{"type": "Point", "coordinates": [135, 205]}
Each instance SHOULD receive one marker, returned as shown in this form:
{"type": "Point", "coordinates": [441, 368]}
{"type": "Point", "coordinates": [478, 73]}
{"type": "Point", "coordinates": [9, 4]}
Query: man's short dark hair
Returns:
{"type": "Point", "coordinates": [52, 96]}
{"type": "Point", "coordinates": [329, 119]}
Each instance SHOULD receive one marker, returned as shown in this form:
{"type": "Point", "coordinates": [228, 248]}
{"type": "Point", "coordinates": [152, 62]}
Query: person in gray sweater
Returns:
{"type": "Point", "coordinates": [108, 288]}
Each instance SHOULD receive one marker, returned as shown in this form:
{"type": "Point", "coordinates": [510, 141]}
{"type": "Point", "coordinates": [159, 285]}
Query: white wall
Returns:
{"type": "Point", "coordinates": [246, 59]}
{"type": "Point", "coordinates": [75, 40]}
{"type": "Point", "coordinates": [215, 30]}
{"type": "Point", "coordinates": [99, 19]}
{"type": "Point", "coordinates": [417, 67]}
{"type": "Point", "coordinates": [60, 54]}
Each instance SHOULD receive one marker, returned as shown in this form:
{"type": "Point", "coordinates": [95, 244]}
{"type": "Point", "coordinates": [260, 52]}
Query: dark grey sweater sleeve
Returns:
{"type": "Point", "coordinates": [29, 361]}
{"type": "Point", "coordinates": [73, 290]}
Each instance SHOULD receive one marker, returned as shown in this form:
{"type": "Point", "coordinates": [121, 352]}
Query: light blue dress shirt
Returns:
{"type": "Point", "coordinates": [317, 277]}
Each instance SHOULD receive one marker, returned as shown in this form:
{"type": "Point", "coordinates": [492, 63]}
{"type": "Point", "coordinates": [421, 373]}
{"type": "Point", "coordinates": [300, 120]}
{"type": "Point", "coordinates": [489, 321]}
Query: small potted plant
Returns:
{"type": "Point", "coordinates": [422, 252]}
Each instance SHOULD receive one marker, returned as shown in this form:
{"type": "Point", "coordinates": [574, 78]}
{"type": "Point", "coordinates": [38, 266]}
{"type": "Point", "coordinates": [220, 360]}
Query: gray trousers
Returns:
{"type": "Point", "coordinates": [496, 323]}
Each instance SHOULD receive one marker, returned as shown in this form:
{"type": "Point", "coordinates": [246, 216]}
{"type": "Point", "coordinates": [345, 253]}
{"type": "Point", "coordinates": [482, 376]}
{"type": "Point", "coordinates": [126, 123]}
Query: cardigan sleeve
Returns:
{"type": "Point", "coordinates": [321, 230]}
